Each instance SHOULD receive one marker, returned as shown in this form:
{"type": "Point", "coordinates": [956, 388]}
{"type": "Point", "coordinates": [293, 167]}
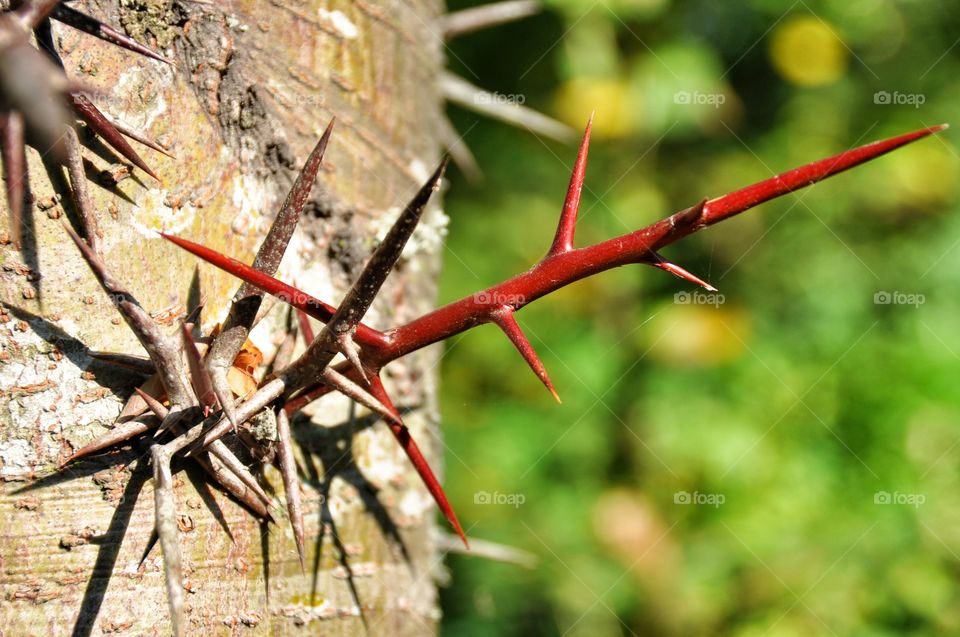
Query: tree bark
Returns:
{"type": "Point", "coordinates": [254, 85]}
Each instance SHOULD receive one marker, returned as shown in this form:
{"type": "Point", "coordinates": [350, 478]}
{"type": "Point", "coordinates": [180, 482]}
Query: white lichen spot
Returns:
{"type": "Point", "coordinates": [145, 112]}
{"type": "Point", "coordinates": [415, 502]}
{"type": "Point", "coordinates": [427, 239]}
{"type": "Point", "coordinates": [339, 22]}
{"type": "Point", "coordinates": [17, 457]}
{"type": "Point", "coordinates": [250, 197]}
{"type": "Point", "coordinates": [153, 214]}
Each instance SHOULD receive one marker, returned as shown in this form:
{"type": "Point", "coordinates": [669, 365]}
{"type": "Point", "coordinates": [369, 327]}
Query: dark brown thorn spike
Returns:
{"type": "Point", "coordinates": [363, 291]}
{"type": "Point", "coordinates": [248, 299]}
{"type": "Point", "coordinates": [291, 482]}
{"type": "Point", "coordinates": [166, 524]}
{"type": "Point", "coordinates": [199, 377]}
{"type": "Point", "coordinates": [164, 351]}
{"type": "Point", "coordinates": [140, 137]}
{"type": "Point", "coordinates": [690, 216]}
{"type": "Point", "coordinates": [103, 127]}
{"type": "Point", "coordinates": [658, 261]}
{"type": "Point", "coordinates": [88, 24]}
{"type": "Point", "coordinates": [14, 154]}
{"type": "Point", "coordinates": [563, 240]}
{"type": "Point", "coordinates": [120, 433]}
{"type": "Point", "coordinates": [136, 363]}
{"type": "Point", "coordinates": [409, 446]}
{"type": "Point", "coordinates": [504, 319]}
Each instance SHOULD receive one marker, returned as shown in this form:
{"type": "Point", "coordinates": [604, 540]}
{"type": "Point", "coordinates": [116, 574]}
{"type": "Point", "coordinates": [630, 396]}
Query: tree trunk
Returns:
{"type": "Point", "coordinates": [254, 85]}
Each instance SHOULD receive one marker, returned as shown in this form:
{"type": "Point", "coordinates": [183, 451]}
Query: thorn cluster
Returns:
{"type": "Point", "coordinates": [192, 397]}
{"type": "Point", "coordinates": [39, 104]}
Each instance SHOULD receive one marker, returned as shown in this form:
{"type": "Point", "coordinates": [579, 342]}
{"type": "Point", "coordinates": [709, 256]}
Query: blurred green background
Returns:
{"type": "Point", "coordinates": [782, 463]}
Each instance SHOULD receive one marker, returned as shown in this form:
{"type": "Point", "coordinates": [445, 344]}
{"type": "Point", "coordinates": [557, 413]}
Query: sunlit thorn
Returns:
{"type": "Point", "coordinates": [563, 240]}
{"type": "Point", "coordinates": [504, 319]}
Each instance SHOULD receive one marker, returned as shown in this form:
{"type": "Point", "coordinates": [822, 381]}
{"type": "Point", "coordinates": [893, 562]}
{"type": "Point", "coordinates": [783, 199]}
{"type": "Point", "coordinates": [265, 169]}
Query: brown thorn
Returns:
{"type": "Point", "coordinates": [291, 482]}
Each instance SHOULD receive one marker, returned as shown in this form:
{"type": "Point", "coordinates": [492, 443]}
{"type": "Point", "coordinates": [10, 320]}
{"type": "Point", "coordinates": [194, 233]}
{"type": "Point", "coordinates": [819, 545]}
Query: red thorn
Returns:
{"type": "Point", "coordinates": [745, 198]}
{"type": "Point", "coordinates": [286, 293]}
{"type": "Point", "coordinates": [563, 240]}
{"type": "Point", "coordinates": [104, 128]}
{"type": "Point", "coordinates": [658, 261]}
{"type": "Point", "coordinates": [305, 328]}
{"type": "Point", "coordinates": [402, 434]}
{"type": "Point", "coordinates": [503, 318]}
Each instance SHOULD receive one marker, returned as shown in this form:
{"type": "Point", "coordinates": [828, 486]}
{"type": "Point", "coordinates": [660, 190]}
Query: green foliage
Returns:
{"type": "Point", "coordinates": [793, 411]}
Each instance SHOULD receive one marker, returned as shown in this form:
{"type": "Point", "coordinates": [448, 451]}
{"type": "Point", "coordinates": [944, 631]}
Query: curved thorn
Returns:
{"type": "Point", "coordinates": [103, 127]}
{"type": "Point", "coordinates": [92, 26]}
{"type": "Point", "coordinates": [291, 482]}
{"type": "Point", "coordinates": [14, 154]}
{"type": "Point", "coordinates": [658, 261]}
{"type": "Point", "coordinates": [563, 240]}
{"type": "Point", "coordinates": [409, 446]}
{"type": "Point", "coordinates": [504, 319]}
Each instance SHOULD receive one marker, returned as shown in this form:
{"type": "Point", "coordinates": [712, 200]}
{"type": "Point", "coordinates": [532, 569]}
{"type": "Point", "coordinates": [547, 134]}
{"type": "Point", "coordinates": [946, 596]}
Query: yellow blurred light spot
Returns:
{"type": "Point", "coordinates": [698, 330]}
{"type": "Point", "coordinates": [928, 175]}
{"type": "Point", "coordinates": [807, 51]}
{"type": "Point", "coordinates": [615, 109]}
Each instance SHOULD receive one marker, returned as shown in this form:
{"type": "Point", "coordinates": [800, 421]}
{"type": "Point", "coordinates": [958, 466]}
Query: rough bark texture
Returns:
{"type": "Point", "coordinates": [255, 84]}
